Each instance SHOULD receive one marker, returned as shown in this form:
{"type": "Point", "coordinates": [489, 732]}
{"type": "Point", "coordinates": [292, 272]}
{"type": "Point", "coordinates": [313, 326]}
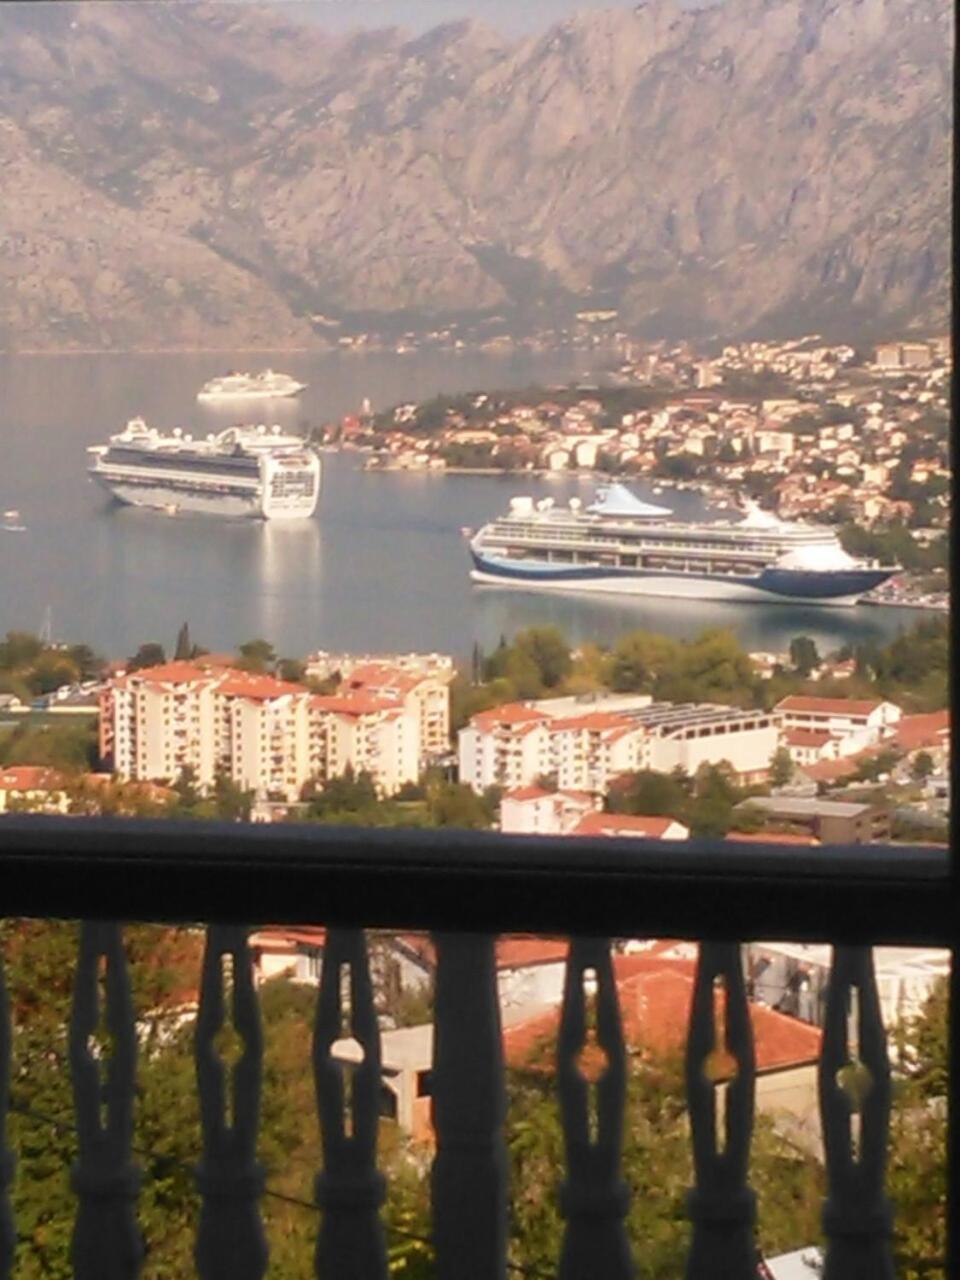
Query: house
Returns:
{"type": "Point", "coordinates": [536, 811]}
{"type": "Point", "coordinates": [928, 732]}
{"type": "Point", "coordinates": [808, 746]}
{"type": "Point", "coordinates": [793, 977]}
{"type": "Point", "coordinates": [655, 994]}
{"type": "Point", "coordinates": [628, 825]}
{"type": "Point", "coordinates": [865, 720]}
{"type": "Point", "coordinates": [830, 821]}
{"type": "Point", "coordinates": [32, 788]}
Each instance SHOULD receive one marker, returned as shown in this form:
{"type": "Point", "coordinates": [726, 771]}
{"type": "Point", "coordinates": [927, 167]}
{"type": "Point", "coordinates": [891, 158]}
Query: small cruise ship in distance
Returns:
{"type": "Point", "coordinates": [621, 545]}
{"type": "Point", "coordinates": [243, 471]}
{"type": "Point", "coordinates": [250, 386]}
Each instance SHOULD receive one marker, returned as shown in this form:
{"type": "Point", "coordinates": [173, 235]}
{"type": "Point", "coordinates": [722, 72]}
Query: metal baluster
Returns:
{"type": "Point", "coordinates": [350, 1243]}
{"type": "Point", "coordinates": [721, 1205]}
{"type": "Point", "coordinates": [231, 1244]}
{"type": "Point", "coordinates": [106, 1244]}
{"type": "Point", "coordinates": [8, 1235]}
{"type": "Point", "coordinates": [594, 1199]}
{"type": "Point", "coordinates": [857, 1217]}
{"type": "Point", "coordinates": [469, 1111]}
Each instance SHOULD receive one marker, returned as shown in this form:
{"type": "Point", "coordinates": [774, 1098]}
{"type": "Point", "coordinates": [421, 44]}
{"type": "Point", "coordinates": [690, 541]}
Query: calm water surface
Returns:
{"type": "Point", "coordinates": [382, 566]}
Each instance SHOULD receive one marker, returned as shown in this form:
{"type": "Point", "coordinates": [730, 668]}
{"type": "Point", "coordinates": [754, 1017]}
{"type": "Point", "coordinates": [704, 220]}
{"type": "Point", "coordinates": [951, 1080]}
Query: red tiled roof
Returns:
{"type": "Point", "coordinates": [258, 688]}
{"type": "Point", "coordinates": [513, 951]}
{"type": "Point", "coordinates": [655, 1005]}
{"type": "Point", "coordinates": [279, 937]}
{"type": "Point", "coordinates": [523, 794]}
{"type": "Point", "coordinates": [929, 730]}
{"type": "Point", "coordinates": [806, 737]}
{"type": "Point", "coordinates": [844, 767]}
{"type": "Point", "coordinates": [382, 677]}
{"type": "Point", "coordinates": [623, 824]}
{"type": "Point", "coordinates": [519, 953]}
{"type": "Point", "coordinates": [357, 704]}
{"type": "Point", "coordinates": [594, 721]}
{"type": "Point", "coordinates": [829, 706]}
{"type": "Point", "coordinates": [173, 673]}
{"type": "Point", "coordinates": [30, 777]}
{"type": "Point", "coordinates": [512, 713]}
{"type": "Point", "coordinates": [581, 797]}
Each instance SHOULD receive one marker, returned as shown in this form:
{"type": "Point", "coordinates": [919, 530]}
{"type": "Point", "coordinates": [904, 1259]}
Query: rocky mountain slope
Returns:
{"type": "Point", "coordinates": [212, 175]}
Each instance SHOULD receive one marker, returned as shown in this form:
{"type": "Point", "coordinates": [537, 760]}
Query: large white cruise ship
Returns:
{"type": "Point", "coordinates": [250, 386]}
{"type": "Point", "coordinates": [243, 471]}
{"type": "Point", "coordinates": [622, 545]}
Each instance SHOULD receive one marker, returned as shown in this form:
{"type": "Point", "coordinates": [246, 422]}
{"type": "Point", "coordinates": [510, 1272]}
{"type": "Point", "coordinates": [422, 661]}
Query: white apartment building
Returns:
{"type": "Point", "coordinates": [857, 722]}
{"type": "Point", "coordinates": [424, 694]}
{"type": "Point", "coordinates": [157, 722]}
{"type": "Point", "coordinates": [506, 747]}
{"type": "Point", "coordinates": [421, 681]}
{"type": "Point", "coordinates": [267, 735]}
{"type": "Point", "coordinates": [517, 745]}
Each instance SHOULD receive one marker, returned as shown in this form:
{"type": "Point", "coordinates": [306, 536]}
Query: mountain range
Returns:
{"type": "Point", "coordinates": [208, 175]}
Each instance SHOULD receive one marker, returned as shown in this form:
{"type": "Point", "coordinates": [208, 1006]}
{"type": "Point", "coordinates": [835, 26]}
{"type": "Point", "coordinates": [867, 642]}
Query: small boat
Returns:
{"type": "Point", "coordinates": [12, 522]}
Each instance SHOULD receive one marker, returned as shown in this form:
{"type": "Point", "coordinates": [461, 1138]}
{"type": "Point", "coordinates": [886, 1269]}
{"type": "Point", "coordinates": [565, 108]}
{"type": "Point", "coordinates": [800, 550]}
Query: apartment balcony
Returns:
{"type": "Point", "coordinates": [466, 888]}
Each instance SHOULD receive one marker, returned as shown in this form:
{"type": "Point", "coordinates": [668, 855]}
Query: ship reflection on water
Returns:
{"type": "Point", "coordinates": [602, 619]}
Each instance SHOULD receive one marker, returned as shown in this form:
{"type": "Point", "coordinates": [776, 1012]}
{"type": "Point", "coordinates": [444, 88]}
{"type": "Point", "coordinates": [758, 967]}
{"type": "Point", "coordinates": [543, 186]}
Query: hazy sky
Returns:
{"type": "Point", "coordinates": [417, 15]}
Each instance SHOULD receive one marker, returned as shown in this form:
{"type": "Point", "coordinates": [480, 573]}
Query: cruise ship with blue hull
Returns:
{"type": "Point", "coordinates": [623, 546]}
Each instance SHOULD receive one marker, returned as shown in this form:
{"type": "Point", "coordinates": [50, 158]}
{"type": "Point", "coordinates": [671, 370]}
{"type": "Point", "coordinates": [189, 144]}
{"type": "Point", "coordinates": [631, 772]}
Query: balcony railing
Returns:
{"type": "Point", "coordinates": [465, 888]}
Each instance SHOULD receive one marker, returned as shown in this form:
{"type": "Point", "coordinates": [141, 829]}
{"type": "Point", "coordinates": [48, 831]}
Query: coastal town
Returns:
{"type": "Point", "coordinates": [642, 740]}
{"type": "Point", "coordinates": [813, 431]}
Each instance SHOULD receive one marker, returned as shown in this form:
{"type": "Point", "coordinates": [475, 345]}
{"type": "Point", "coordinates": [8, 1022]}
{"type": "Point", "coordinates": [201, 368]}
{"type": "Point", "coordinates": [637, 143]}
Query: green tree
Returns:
{"type": "Point", "coordinates": [804, 655]}
{"type": "Point", "coordinates": [656, 1167]}
{"type": "Point", "coordinates": [256, 655]}
{"type": "Point", "coordinates": [231, 801]}
{"type": "Point", "coordinates": [639, 659]}
{"type": "Point", "coordinates": [89, 665]}
{"type": "Point", "coordinates": [781, 767]}
{"type": "Point", "coordinates": [293, 670]}
{"type": "Point", "coordinates": [70, 747]}
{"type": "Point", "coordinates": [917, 1178]}
{"type": "Point", "coordinates": [454, 804]}
{"type": "Point", "coordinates": [148, 655]}
{"type": "Point", "coordinates": [549, 652]}
{"type": "Point", "coordinates": [649, 794]}
{"type": "Point", "coordinates": [922, 766]}
{"type": "Point", "coordinates": [184, 649]}
{"type": "Point", "coordinates": [19, 649]}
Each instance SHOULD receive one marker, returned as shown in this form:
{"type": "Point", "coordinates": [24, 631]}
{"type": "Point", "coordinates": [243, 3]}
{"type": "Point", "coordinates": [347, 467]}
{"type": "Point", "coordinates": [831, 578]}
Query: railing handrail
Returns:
{"type": "Point", "coordinates": [455, 880]}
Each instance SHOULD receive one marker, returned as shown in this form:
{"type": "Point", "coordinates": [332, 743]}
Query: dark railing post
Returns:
{"type": "Point", "coordinates": [107, 1244]}
{"type": "Point", "coordinates": [594, 1198]}
{"type": "Point", "coordinates": [857, 1217]}
{"type": "Point", "coordinates": [722, 1206]}
{"type": "Point", "coordinates": [350, 1243]}
{"type": "Point", "coordinates": [469, 1110]}
{"type": "Point", "coordinates": [230, 1241]}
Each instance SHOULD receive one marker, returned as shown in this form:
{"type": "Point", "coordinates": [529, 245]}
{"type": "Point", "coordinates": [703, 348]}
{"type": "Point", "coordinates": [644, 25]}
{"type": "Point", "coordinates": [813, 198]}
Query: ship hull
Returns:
{"type": "Point", "coordinates": [232, 397]}
{"type": "Point", "coordinates": [167, 498]}
{"type": "Point", "coordinates": [771, 586]}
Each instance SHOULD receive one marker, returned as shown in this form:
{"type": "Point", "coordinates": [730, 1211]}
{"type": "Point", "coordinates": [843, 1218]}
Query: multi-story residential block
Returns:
{"type": "Point", "coordinates": [508, 747]}
{"type": "Point", "coordinates": [424, 693]}
{"type": "Point", "coordinates": [270, 736]}
{"type": "Point", "coordinates": [157, 722]}
{"type": "Point", "coordinates": [521, 744]}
